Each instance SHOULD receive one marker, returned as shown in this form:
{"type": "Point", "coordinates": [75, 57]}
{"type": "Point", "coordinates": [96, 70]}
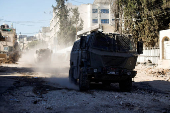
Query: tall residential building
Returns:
{"type": "Point", "coordinates": [95, 16]}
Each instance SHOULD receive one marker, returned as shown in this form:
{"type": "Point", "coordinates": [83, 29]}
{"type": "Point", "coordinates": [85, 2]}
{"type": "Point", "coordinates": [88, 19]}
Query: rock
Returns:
{"type": "Point", "coordinates": [50, 108]}
{"type": "Point", "coordinates": [35, 102]}
{"type": "Point", "coordinates": [121, 103]}
{"type": "Point", "coordinates": [136, 108]}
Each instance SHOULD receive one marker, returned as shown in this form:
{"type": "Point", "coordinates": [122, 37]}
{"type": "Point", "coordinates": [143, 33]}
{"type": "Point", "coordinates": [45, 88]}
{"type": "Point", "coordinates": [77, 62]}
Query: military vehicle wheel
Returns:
{"type": "Point", "coordinates": [71, 78]}
{"type": "Point", "coordinates": [126, 85]}
{"type": "Point", "coordinates": [83, 80]}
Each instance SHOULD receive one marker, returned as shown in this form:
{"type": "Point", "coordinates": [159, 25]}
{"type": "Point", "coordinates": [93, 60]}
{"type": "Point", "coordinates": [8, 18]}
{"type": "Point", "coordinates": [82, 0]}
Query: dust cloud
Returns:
{"type": "Point", "coordinates": [54, 69]}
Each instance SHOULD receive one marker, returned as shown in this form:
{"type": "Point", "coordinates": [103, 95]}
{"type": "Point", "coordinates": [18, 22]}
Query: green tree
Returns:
{"type": "Point", "coordinates": [145, 18]}
{"type": "Point", "coordinates": [68, 25]}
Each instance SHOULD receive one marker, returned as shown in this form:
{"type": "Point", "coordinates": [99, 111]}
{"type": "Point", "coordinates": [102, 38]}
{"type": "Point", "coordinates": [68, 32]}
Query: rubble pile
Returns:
{"type": "Point", "coordinates": [12, 59]}
{"type": "Point", "coordinates": [159, 72]}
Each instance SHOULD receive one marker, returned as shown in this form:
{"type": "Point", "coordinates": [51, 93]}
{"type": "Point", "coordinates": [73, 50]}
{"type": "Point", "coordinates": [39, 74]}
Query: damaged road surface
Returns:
{"type": "Point", "coordinates": [26, 90]}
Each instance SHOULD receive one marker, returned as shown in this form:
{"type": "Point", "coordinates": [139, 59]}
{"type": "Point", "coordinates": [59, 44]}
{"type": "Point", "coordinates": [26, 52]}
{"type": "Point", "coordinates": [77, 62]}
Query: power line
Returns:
{"type": "Point", "coordinates": [29, 33]}
{"type": "Point", "coordinates": [18, 22]}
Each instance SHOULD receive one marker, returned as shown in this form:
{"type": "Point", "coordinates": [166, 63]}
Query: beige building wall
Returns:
{"type": "Point", "coordinates": [10, 38]}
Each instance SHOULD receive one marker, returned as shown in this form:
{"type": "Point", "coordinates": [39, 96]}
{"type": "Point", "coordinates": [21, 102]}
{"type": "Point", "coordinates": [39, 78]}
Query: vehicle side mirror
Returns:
{"type": "Point", "coordinates": [140, 47]}
{"type": "Point", "coordinates": [83, 42]}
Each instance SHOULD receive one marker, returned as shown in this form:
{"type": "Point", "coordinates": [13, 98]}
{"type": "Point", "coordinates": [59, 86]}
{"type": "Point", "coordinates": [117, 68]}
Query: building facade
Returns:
{"type": "Point", "coordinates": [95, 16]}
{"type": "Point", "coordinates": [8, 38]}
{"type": "Point", "coordinates": [23, 40]}
{"type": "Point", "coordinates": [164, 46]}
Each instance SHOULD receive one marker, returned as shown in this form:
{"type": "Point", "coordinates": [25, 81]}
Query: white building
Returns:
{"type": "Point", "coordinates": [96, 13]}
{"type": "Point", "coordinates": [23, 40]}
{"type": "Point", "coordinates": [44, 34]}
{"type": "Point", "coordinates": [95, 16]}
{"type": "Point", "coordinates": [164, 44]}
{"type": "Point", "coordinates": [54, 27]}
{"type": "Point", "coordinates": [20, 38]}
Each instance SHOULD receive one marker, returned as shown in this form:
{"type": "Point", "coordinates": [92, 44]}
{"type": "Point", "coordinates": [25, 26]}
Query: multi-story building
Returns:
{"type": "Point", "coordinates": [20, 38]}
{"type": "Point", "coordinates": [23, 40]}
{"type": "Point", "coordinates": [7, 38]}
{"type": "Point", "coordinates": [44, 34]}
{"type": "Point", "coordinates": [95, 16]}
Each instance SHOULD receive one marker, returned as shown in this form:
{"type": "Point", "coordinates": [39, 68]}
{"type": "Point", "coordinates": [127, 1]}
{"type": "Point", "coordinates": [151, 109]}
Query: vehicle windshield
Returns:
{"type": "Point", "coordinates": [102, 42]}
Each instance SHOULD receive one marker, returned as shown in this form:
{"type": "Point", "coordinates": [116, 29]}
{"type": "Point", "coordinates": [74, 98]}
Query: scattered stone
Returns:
{"type": "Point", "coordinates": [50, 108]}
{"type": "Point", "coordinates": [16, 100]}
{"type": "Point", "coordinates": [121, 103]}
{"type": "Point", "coordinates": [35, 102]}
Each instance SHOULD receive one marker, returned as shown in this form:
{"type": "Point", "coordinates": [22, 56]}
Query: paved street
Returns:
{"type": "Point", "coordinates": [27, 88]}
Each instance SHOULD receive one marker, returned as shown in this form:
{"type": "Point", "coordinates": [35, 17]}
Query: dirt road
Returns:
{"type": "Point", "coordinates": [29, 89]}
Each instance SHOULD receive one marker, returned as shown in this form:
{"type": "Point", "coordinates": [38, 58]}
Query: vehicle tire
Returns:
{"type": "Point", "coordinates": [126, 85]}
{"type": "Point", "coordinates": [71, 78]}
{"type": "Point", "coordinates": [83, 80]}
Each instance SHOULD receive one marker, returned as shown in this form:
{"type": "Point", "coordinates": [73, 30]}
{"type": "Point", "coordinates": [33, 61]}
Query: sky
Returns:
{"type": "Point", "coordinates": [29, 16]}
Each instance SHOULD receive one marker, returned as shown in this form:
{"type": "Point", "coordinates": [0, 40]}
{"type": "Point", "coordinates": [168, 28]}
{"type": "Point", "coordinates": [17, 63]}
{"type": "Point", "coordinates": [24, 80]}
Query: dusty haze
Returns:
{"type": "Point", "coordinates": [57, 69]}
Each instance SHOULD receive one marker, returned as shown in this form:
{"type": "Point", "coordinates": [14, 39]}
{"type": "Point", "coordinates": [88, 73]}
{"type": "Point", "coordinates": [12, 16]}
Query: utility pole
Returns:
{"type": "Point", "coordinates": [99, 17]}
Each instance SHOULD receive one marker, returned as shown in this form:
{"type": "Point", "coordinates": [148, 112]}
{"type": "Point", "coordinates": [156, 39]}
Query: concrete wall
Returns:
{"type": "Point", "coordinates": [85, 14]}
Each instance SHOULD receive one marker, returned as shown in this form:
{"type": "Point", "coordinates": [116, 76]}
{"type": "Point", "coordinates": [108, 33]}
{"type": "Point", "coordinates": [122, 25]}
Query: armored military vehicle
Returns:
{"type": "Point", "coordinates": [106, 58]}
{"type": "Point", "coordinates": [42, 55]}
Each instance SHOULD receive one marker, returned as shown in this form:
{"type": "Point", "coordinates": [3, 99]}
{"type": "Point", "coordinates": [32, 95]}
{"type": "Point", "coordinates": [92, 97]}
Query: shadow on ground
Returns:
{"type": "Point", "coordinates": [44, 85]}
{"type": "Point", "coordinates": [155, 86]}
{"type": "Point", "coordinates": [12, 70]}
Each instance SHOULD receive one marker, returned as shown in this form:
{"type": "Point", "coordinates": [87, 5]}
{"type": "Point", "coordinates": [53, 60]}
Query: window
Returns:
{"type": "Point", "coordinates": [95, 20]}
{"type": "Point", "coordinates": [94, 10]}
{"type": "Point", "coordinates": [105, 21]}
{"type": "Point", "coordinates": [5, 48]}
{"type": "Point", "coordinates": [113, 19]}
{"type": "Point", "coordinates": [104, 10]}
